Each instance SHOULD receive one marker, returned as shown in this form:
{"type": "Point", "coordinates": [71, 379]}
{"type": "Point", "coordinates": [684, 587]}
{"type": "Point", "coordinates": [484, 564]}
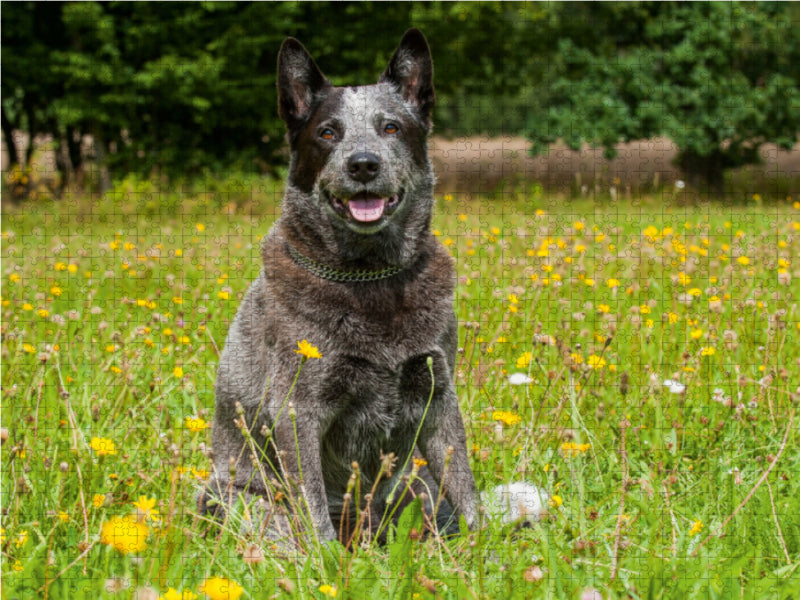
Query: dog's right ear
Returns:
{"type": "Point", "coordinates": [299, 82]}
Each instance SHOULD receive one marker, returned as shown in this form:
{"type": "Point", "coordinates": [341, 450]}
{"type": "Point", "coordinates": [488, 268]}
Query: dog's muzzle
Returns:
{"type": "Point", "coordinates": [365, 212]}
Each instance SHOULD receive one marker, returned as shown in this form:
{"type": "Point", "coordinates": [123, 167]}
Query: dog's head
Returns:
{"type": "Point", "coordinates": [359, 154]}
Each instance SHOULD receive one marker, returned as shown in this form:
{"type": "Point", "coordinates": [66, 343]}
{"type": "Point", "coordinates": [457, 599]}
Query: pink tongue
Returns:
{"type": "Point", "coordinates": [366, 209]}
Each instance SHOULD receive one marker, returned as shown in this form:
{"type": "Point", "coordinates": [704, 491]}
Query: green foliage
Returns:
{"type": "Point", "coordinates": [719, 79]}
{"type": "Point", "coordinates": [180, 88]}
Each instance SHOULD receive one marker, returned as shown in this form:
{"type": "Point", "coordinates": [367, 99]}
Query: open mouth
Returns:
{"type": "Point", "coordinates": [364, 207]}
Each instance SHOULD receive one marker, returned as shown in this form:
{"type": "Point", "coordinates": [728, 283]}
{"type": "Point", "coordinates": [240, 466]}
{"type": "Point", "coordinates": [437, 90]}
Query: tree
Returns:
{"type": "Point", "coordinates": [719, 79]}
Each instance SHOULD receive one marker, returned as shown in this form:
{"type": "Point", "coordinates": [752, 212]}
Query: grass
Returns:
{"type": "Point", "coordinates": [660, 340]}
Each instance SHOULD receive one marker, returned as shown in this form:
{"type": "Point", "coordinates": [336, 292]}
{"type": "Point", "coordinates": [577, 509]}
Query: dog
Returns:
{"type": "Point", "coordinates": [350, 266]}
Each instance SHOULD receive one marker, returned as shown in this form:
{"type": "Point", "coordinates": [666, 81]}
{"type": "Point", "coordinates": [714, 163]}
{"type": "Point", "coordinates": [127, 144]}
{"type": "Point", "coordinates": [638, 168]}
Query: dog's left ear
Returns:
{"type": "Point", "coordinates": [411, 71]}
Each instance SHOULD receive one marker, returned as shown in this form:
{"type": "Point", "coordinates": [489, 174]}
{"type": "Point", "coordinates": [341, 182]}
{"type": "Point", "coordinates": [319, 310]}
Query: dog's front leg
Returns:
{"type": "Point", "coordinates": [299, 446]}
{"type": "Point", "coordinates": [440, 433]}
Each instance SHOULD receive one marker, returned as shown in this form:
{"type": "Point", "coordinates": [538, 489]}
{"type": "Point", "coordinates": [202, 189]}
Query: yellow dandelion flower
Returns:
{"type": "Point", "coordinates": [98, 500]}
{"type": "Point", "coordinates": [146, 507]}
{"type": "Point", "coordinates": [576, 358]}
{"type": "Point", "coordinates": [62, 516]}
{"type": "Point", "coordinates": [126, 534]}
{"type": "Point", "coordinates": [307, 350]}
{"type": "Point", "coordinates": [219, 588]}
{"type": "Point", "coordinates": [696, 334]}
{"type": "Point", "coordinates": [200, 227]}
{"type": "Point", "coordinates": [524, 360]}
{"type": "Point", "coordinates": [196, 424]}
{"type": "Point", "coordinates": [612, 283]}
{"type": "Point", "coordinates": [44, 313]}
{"type": "Point", "coordinates": [103, 446]}
{"type": "Point", "coordinates": [60, 266]}
{"type": "Point", "coordinates": [201, 474]}
{"type": "Point", "coordinates": [555, 500]}
{"type": "Point", "coordinates": [173, 594]}
{"type": "Point", "coordinates": [743, 260]}
{"type": "Point", "coordinates": [672, 318]}
{"type": "Point", "coordinates": [17, 566]}
{"type": "Point", "coordinates": [177, 372]}
{"type": "Point", "coordinates": [505, 417]}
{"type": "Point", "coordinates": [21, 538]}
{"type": "Point", "coordinates": [596, 362]}
{"type": "Point", "coordinates": [707, 351]}
{"type": "Point", "coordinates": [14, 277]}
{"type": "Point", "coordinates": [328, 590]}
{"type": "Point", "coordinates": [72, 268]}
{"type": "Point", "coordinates": [223, 295]}
{"type": "Point", "coordinates": [697, 527]}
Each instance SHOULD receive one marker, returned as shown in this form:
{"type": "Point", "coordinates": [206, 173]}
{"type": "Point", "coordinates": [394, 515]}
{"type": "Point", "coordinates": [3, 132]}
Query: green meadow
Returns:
{"type": "Point", "coordinates": [654, 345]}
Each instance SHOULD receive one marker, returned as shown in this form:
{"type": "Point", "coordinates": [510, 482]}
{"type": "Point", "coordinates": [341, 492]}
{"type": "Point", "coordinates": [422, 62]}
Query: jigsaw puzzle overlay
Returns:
{"type": "Point", "coordinates": [626, 358]}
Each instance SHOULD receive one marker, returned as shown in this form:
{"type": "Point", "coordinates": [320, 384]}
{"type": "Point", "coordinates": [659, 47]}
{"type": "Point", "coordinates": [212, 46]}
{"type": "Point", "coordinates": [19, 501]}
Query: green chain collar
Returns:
{"type": "Point", "coordinates": [331, 274]}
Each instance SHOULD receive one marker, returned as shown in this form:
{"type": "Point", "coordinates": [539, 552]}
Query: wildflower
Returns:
{"type": "Point", "coordinates": [555, 500]}
{"type": "Point", "coordinates": [98, 500]}
{"type": "Point", "coordinates": [200, 227]}
{"type": "Point", "coordinates": [103, 446]}
{"type": "Point", "coordinates": [603, 308]}
{"type": "Point", "coordinates": [146, 508]}
{"type": "Point", "coordinates": [697, 527]}
{"type": "Point", "coordinates": [62, 516]}
{"type": "Point", "coordinates": [519, 379]}
{"type": "Point", "coordinates": [307, 350]}
{"type": "Point", "coordinates": [177, 372]}
{"type": "Point", "coordinates": [596, 362]}
{"type": "Point", "coordinates": [524, 360]}
{"type": "Point", "coordinates": [42, 312]}
{"type": "Point", "coordinates": [17, 566]}
{"type": "Point", "coordinates": [613, 283]}
{"type": "Point", "coordinates": [196, 424]}
{"type": "Point", "coordinates": [672, 318]}
{"type": "Point", "coordinates": [696, 334]}
{"type": "Point", "coordinates": [569, 449]}
{"type": "Point", "coordinates": [29, 348]}
{"type": "Point", "coordinates": [21, 538]}
{"type": "Point", "coordinates": [505, 417]}
{"type": "Point", "coordinates": [126, 534]}
{"type": "Point", "coordinates": [201, 474]}
{"type": "Point", "coordinates": [219, 588]}
{"type": "Point", "coordinates": [743, 260]}
{"type": "Point", "coordinates": [173, 594]}
{"type": "Point", "coordinates": [329, 590]}
{"type": "Point", "coordinates": [223, 295]}
{"type": "Point", "coordinates": [707, 351]}
{"type": "Point", "coordinates": [675, 387]}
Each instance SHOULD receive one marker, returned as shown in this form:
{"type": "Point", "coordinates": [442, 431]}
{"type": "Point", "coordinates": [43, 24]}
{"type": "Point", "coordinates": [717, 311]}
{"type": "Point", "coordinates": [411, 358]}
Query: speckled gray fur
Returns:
{"type": "Point", "coordinates": [366, 396]}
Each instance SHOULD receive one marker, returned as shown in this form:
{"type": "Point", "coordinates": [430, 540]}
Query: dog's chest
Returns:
{"type": "Point", "coordinates": [376, 409]}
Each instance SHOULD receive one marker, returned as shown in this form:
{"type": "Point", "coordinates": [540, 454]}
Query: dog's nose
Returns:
{"type": "Point", "coordinates": [363, 166]}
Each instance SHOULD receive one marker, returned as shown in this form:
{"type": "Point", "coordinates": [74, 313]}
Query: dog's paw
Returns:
{"type": "Point", "coordinates": [513, 502]}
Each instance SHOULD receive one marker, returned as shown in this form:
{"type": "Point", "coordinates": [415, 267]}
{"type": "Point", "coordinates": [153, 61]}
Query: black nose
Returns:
{"type": "Point", "coordinates": [363, 166]}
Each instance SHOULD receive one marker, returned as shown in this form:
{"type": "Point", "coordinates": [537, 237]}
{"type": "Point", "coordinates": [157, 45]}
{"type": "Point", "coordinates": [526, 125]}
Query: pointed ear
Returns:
{"type": "Point", "coordinates": [299, 81]}
{"type": "Point", "coordinates": [411, 71]}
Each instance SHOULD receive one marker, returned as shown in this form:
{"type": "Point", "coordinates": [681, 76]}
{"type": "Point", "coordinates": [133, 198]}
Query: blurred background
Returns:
{"type": "Point", "coordinates": [574, 98]}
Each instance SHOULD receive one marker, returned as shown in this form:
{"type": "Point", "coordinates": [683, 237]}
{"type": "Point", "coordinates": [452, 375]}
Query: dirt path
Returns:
{"type": "Point", "coordinates": [480, 164]}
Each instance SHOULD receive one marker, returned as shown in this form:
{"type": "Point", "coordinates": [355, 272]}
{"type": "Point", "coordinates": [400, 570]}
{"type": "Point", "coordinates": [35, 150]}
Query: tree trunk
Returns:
{"type": "Point", "coordinates": [704, 172]}
{"type": "Point", "coordinates": [11, 143]}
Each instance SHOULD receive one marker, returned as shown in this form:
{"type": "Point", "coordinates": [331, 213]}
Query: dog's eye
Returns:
{"type": "Point", "coordinates": [391, 128]}
{"type": "Point", "coordinates": [326, 134]}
